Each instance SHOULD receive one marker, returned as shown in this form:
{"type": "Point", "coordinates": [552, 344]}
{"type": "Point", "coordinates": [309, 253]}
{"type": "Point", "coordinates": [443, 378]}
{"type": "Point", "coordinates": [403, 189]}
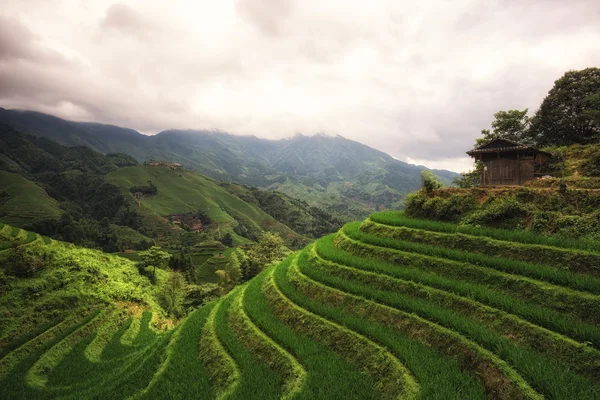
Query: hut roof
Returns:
{"type": "Point", "coordinates": [502, 145]}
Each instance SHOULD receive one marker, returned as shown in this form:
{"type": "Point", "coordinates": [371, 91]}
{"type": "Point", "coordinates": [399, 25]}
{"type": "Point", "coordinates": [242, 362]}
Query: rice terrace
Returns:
{"type": "Point", "coordinates": [390, 308]}
{"type": "Point", "coordinates": [299, 200]}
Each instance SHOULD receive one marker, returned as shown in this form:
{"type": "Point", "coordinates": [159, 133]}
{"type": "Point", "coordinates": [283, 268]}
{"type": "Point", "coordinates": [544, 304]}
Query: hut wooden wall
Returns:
{"type": "Point", "coordinates": [507, 171]}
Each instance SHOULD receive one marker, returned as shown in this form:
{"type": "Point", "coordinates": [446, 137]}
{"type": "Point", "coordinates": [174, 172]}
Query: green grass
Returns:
{"type": "Point", "coordinates": [257, 379]}
{"type": "Point", "coordinates": [182, 374]}
{"type": "Point", "coordinates": [576, 260]}
{"type": "Point", "coordinates": [362, 257]}
{"type": "Point", "coordinates": [361, 314]}
{"type": "Point", "coordinates": [580, 304]}
{"type": "Point", "coordinates": [548, 375]}
{"type": "Point", "coordinates": [266, 350]}
{"type": "Point", "coordinates": [397, 218]}
{"type": "Point", "coordinates": [577, 355]}
{"type": "Point", "coordinates": [27, 203]}
{"type": "Point", "coordinates": [181, 191]}
{"type": "Point", "coordinates": [328, 374]}
{"type": "Point", "coordinates": [393, 379]}
{"type": "Point", "coordinates": [497, 376]}
{"type": "Point", "coordinates": [437, 376]}
{"type": "Point", "coordinates": [559, 276]}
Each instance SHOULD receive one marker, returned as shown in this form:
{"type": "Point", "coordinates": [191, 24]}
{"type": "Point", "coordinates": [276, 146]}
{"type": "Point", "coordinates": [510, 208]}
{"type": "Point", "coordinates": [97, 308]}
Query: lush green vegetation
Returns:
{"type": "Point", "coordinates": [61, 192]}
{"type": "Point", "coordinates": [344, 178]}
{"type": "Point", "coordinates": [565, 213]}
{"type": "Point", "coordinates": [181, 191]}
{"type": "Point", "coordinates": [393, 307]}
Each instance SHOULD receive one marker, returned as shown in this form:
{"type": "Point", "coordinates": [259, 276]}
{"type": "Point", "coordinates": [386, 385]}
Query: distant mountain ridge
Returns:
{"type": "Point", "coordinates": [342, 176]}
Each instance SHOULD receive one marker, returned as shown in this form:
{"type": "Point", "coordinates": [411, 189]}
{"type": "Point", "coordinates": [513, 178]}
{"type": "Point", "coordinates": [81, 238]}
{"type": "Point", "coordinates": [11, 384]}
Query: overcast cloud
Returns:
{"type": "Point", "coordinates": [417, 79]}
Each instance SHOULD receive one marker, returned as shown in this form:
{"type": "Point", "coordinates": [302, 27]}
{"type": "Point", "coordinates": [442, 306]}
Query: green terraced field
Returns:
{"type": "Point", "coordinates": [390, 308]}
{"type": "Point", "coordinates": [26, 201]}
{"type": "Point", "coordinates": [181, 191]}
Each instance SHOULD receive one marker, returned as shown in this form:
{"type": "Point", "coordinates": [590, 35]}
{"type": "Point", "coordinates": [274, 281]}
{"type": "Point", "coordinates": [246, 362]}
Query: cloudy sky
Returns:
{"type": "Point", "coordinates": [416, 79]}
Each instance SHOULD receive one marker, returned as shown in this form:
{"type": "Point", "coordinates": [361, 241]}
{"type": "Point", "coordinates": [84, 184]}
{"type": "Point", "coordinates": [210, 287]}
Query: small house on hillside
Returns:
{"type": "Point", "coordinates": [508, 163]}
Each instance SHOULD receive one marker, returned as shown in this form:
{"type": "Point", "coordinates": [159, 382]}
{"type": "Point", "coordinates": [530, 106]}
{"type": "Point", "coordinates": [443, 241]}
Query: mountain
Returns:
{"type": "Point", "coordinates": [391, 308]}
{"type": "Point", "coordinates": [341, 176]}
{"type": "Point", "coordinates": [47, 186]}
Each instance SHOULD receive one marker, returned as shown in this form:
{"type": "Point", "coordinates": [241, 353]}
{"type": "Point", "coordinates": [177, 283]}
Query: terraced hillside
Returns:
{"type": "Point", "coordinates": [185, 191]}
{"type": "Point", "coordinates": [390, 308]}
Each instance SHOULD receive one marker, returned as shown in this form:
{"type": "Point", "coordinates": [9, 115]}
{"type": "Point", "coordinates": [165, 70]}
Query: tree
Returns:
{"type": "Point", "coordinates": [154, 257]}
{"type": "Point", "coordinates": [269, 249]}
{"type": "Point", "coordinates": [510, 125]}
{"type": "Point", "coordinates": [227, 240]}
{"type": "Point", "coordinates": [593, 111]}
{"type": "Point", "coordinates": [469, 179]}
{"type": "Point", "coordinates": [173, 293]}
{"type": "Point", "coordinates": [429, 181]}
{"type": "Point", "coordinates": [566, 116]}
{"type": "Point", "coordinates": [231, 275]}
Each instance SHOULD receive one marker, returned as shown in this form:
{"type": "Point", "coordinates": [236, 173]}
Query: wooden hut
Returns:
{"type": "Point", "coordinates": [508, 163]}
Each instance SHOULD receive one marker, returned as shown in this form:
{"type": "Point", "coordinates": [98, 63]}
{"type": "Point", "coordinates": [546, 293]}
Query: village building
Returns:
{"type": "Point", "coordinates": [508, 163]}
{"type": "Point", "coordinates": [165, 164]}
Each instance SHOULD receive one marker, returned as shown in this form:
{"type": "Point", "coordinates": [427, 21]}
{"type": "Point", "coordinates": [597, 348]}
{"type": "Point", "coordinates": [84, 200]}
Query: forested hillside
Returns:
{"type": "Point", "coordinates": [340, 176]}
{"type": "Point", "coordinates": [181, 191]}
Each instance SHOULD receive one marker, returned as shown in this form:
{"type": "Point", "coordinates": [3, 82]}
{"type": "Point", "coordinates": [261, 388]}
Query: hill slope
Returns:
{"type": "Point", "coordinates": [42, 180]}
{"type": "Point", "coordinates": [23, 201]}
{"type": "Point", "coordinates": [181, 191]}
{"type": "Point", "coordinates": [566, 202]}
{"type": "Point", "coordinates": [392, 308]}
{"type": "Point", "coordinates": [321, 170]}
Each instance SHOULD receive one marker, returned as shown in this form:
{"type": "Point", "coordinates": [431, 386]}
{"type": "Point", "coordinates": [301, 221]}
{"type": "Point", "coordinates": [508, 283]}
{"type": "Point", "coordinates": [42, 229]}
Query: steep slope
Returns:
{"type": "Point", "coordinates": [23, 201]}
{"type": "Point", "coordinates": [43, 180]}
{"type": "Point", "coordinates": [181, 191]}
{"type": "Point", "coordinates": [391, 308]}
{"type": "Point", "coordinates": [321, 170]}
{"type": "Point", "coordinates": [99, 137]}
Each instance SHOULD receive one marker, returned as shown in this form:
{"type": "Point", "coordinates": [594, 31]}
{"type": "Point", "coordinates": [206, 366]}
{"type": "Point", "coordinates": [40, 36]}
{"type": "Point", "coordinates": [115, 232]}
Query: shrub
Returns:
{"type": "Point", "coordinates": [198, 295]}
{"type": "Point", "coordinates": [500, 211]}
{"type": "Point", "coordinates": [430, 182]}
{"type": "Point", "coordinates": [173, 294]}
{"type": "Point", "coordinates": [451, 208]}
{"type": "Point", "coordinates": [25, 261]}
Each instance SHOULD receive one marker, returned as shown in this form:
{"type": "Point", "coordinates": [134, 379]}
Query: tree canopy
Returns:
{"type": "Point", "coordinates": [569, 113]}
{"type": "Point", "coordinates": [510, 125]}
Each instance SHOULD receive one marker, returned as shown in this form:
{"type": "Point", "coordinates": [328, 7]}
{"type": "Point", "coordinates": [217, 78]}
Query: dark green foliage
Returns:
{"type": "Point", "coordinates": [74, 176]}
{"type": "Point", "coordinates": [199, 295]}
{"type": "Point", "coordinates": [203, 217]}
{"type": "Point", "coordinates": [227, 240]}
{"type": "Point", "coordinates": [566, 114]}
{"type": "Point", "coordinates": [471, 178]}
{"type": "Point", "coordinates": [154, 258]}
{"type": "Point", "coordinates": [269, 249]}
{"type": "Point", "coordinates": [24, 262]}
{"type": "Point", "coordinates": [591, 164]}
{"type": "Point", "coordinates": [570, 213]}
{"type": "Point", "coordinates": [148, 190]}
{"type": "Point", "coordinates": [173, 294]}
{"type": "Point", "coordinates": [183, 262]}
{"type": "Point", "coordinates": [446, 208]}
{"type": "Point", "coordinates": [341, 177]}
{"type": "Point", "coordinates": [510, 125]}
{"type": "Point", "coordinates": [297, 214]}
{"type": "Point", "coordinates": [245, 228]}
{"type": "Point", "coordinates": [92, 233]}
